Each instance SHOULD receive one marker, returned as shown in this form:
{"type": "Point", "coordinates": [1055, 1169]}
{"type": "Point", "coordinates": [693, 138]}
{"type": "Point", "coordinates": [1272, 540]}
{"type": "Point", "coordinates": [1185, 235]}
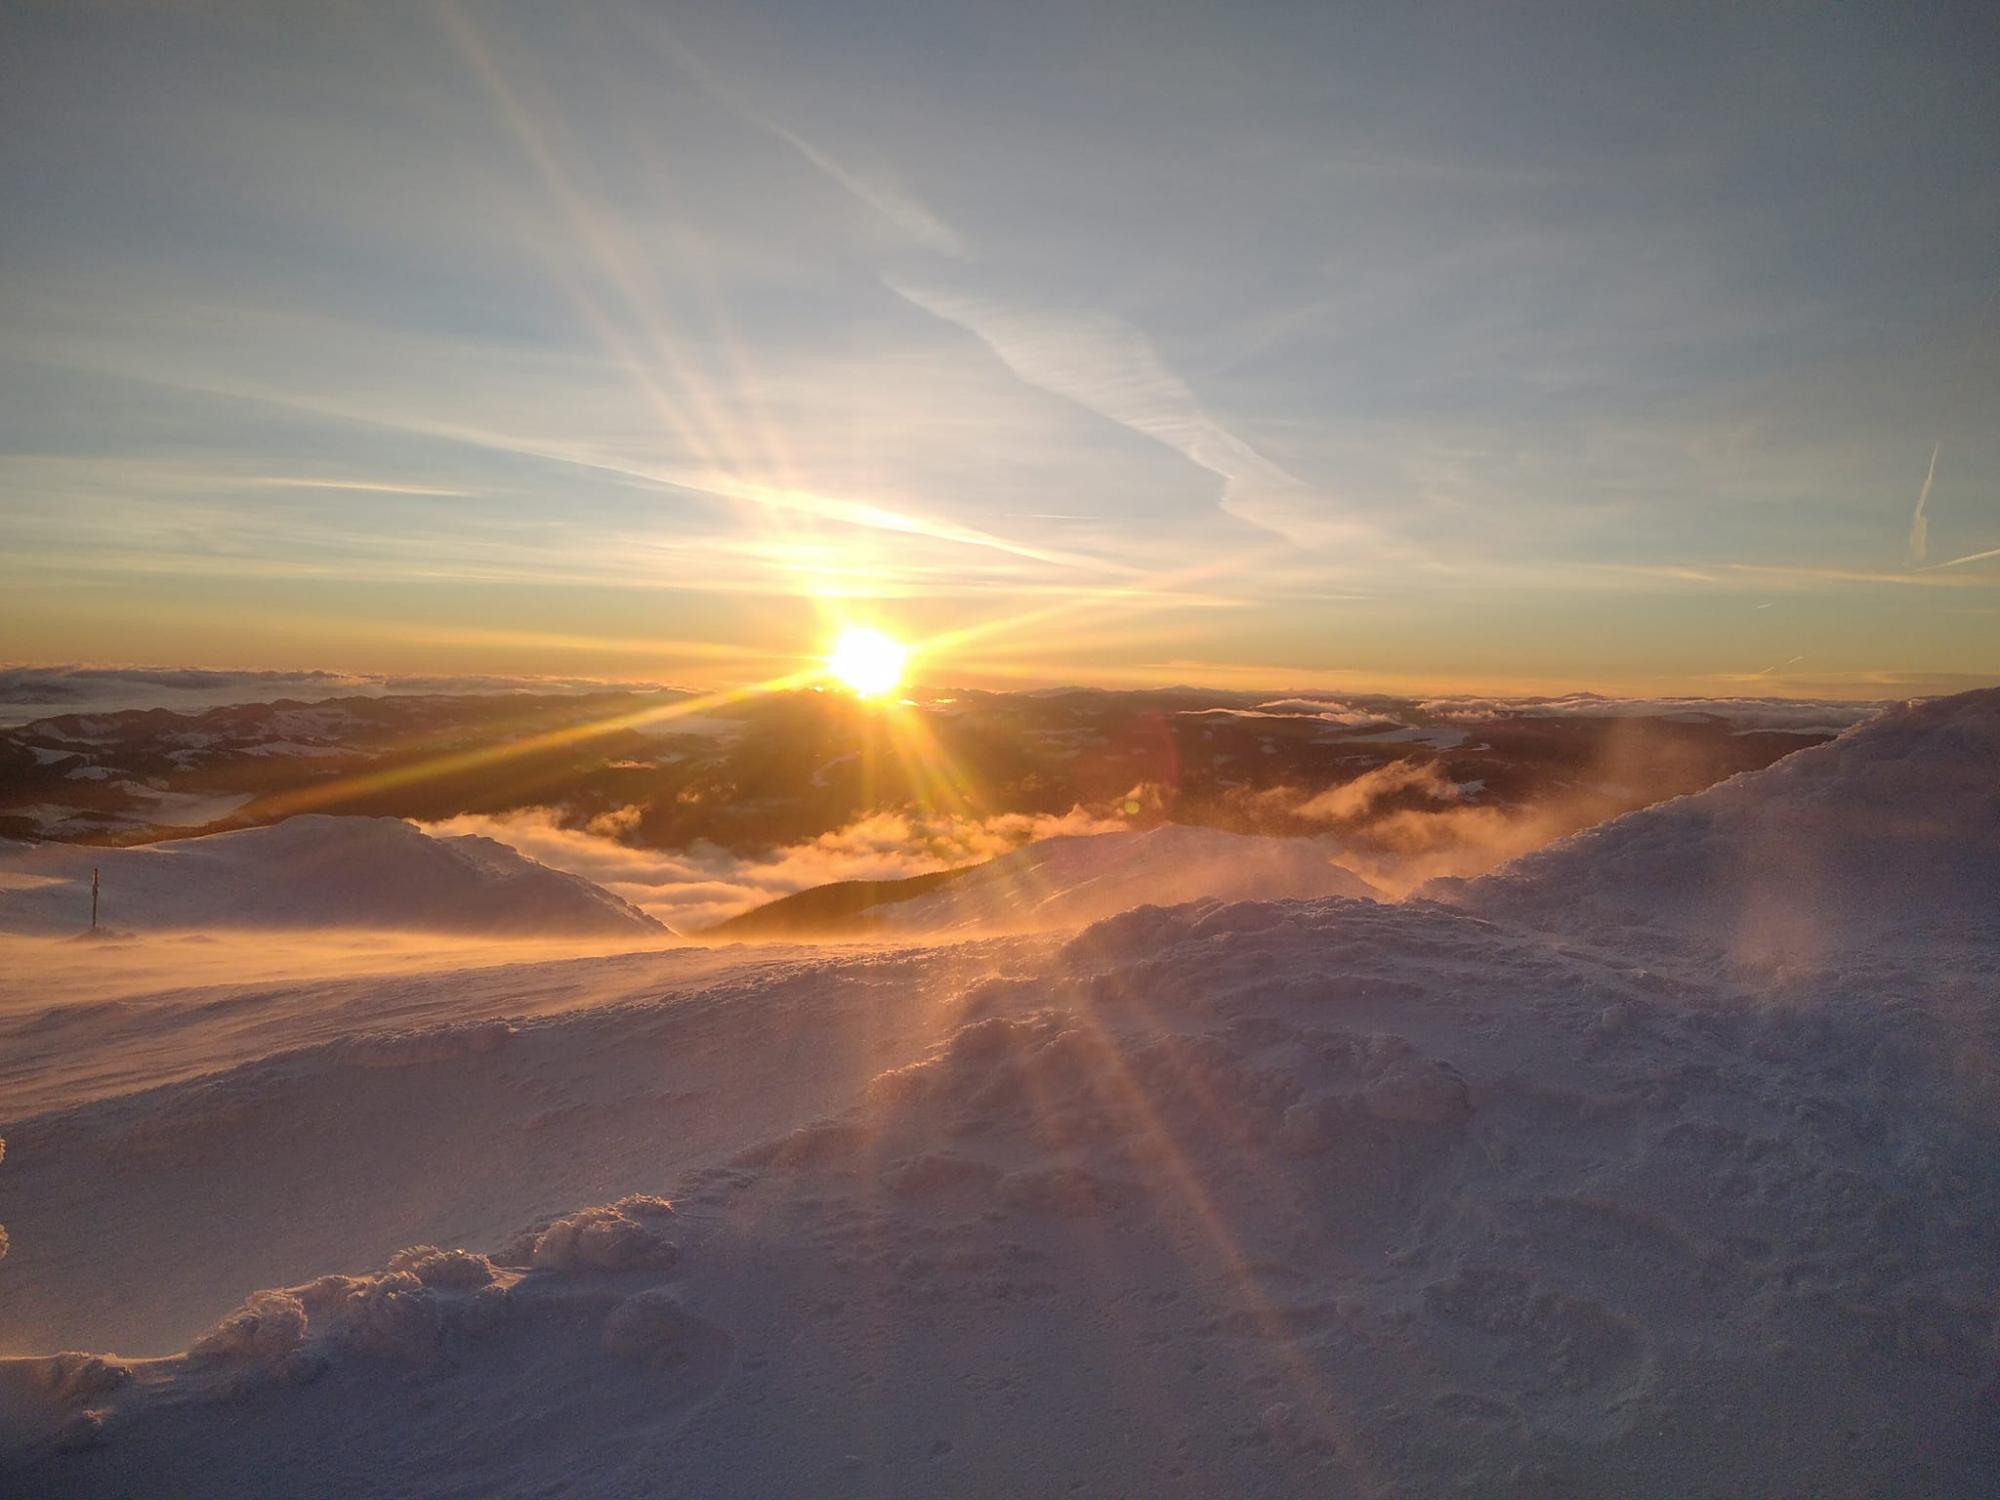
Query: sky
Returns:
{"type": "Point", "coordinates": [1442, 347]}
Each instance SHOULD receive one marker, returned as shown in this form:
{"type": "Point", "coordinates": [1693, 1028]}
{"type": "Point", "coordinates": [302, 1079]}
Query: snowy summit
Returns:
{"type": "Point", "coordinates": [1291, 1194]}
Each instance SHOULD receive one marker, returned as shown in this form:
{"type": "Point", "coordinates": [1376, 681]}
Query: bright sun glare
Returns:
{"type": "Point", "coordinates": [867, 662]}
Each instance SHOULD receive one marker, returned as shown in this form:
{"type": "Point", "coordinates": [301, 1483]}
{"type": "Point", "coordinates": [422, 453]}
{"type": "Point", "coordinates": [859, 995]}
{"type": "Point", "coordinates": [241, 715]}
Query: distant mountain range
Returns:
{"type": "Point", "coordinates": [701, 813]}
{"type": "Point", "coordinates": [785, 767]}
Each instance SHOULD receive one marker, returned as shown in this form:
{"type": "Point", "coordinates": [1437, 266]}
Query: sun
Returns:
{"type": "Point", "coordinates": [867, 662]}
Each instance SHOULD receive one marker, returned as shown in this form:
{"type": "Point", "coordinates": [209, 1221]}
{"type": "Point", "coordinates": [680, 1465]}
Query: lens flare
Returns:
{"type": "Point", "coordinates": [867, 662]}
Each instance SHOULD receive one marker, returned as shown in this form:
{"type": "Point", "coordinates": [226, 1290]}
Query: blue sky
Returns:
{"type": "Point", "coordinates": [1470, 346]}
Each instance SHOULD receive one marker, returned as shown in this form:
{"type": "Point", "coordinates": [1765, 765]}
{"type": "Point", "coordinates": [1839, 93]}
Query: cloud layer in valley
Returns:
{"type": "Point", "coordinates": [693, 888]}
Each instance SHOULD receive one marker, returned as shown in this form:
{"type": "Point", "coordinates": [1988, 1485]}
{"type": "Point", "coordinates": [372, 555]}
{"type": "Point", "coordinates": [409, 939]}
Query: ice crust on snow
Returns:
{"type": "Point", "coordinates": [1262, 1198]}
{"type": "Point", "coordinates": [309, 872]}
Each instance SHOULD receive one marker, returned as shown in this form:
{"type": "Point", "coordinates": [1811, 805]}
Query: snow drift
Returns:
{"type": "Point", "coordinates": [307, 872]}
{"type": "Point", "coordinates": [1889, 832]}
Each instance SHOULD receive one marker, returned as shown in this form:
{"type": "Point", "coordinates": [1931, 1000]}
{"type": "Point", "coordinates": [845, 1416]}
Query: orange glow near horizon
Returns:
{"type": "Point", "coordinates": [868, 662]}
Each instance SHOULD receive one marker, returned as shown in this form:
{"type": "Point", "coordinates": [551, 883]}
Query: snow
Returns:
{"type": "Point", "coordinates": [28, 693]}
{"type": "Point", "coordinates": [1297, 708]}
{"type": "Point", "coordinates": [309, 872]}
{"type": "Point", "coordinates": [1436, 737]}
{"type": "Point", "coordinates": [150, 807]}
{"type": "Point", "coordinates": [1535, 1194]}
{"type": "Point", "coordinates": [819, 777]}
{"type": "Point", "coordinates": [191, 809]}
{"type": "Point", "coordinates": [1069, 881]}
{"type": "Point", "coordinates": [113, 1018]}
{"type": "Point", "coordinates": [44, 815]}
{"type": "Point", "coordinates": [1751, 715]}
{"type": "Point", "coordinates": [1890, 831]}
{"type": "Point", "coordinates": [701, 726]}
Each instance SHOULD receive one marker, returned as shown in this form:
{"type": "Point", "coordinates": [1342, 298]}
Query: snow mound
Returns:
{"type": "Point", "coordinates": [427, 1301]}
{"type": "Point", "coordinates": [47, 1402]}
{"type": "Point", "coordinates": [536, 1363]}
{"type": "Point", "coordinates": [404, 1312]}
{"type": "Point", "coordinates": [1071, 881]}
{"type": "Point", "coordinates": [1891, 830]}
{"type": "Point", "coordinates": [1294, 1197]}
{"type": "Point", "coordinates": [622, 1236]}
{"type": "Point", "coordinates": [312, 872]}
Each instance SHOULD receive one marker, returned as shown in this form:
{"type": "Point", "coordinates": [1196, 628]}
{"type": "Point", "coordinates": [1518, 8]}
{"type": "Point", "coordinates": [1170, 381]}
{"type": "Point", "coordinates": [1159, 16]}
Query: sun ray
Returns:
{"type": "Point", "coordinates": [304, 799]}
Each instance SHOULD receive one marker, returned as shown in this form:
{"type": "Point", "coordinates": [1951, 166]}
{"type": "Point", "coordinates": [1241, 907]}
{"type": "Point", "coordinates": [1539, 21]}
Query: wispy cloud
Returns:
{"type": "Point", "coordinates": [492, 299]}
{"type": "Point", "coordinates": [791, 501]}
{"type": "Point", "coordinates": [880, 189]}
{"type": "Point", "coordinates": [876, 185]}
{"type": "Point", "coordinates": [1111, 368]}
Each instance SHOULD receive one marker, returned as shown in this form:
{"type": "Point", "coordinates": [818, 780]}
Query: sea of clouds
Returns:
{"type": "Point", "coordinates": [696, 887]}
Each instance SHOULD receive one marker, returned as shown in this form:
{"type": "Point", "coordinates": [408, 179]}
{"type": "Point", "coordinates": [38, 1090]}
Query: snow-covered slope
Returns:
{"type": "Point", "coordinates": [1889, 833]}
{"type": "Point", "coordinates": [307, 872]}
{"type": "Point", "coordinates": [102, 1019]}
{"type": "Point", "coordinates": [1068, 882]}
{"type": "Point", "coordinates": [1257, 1200]}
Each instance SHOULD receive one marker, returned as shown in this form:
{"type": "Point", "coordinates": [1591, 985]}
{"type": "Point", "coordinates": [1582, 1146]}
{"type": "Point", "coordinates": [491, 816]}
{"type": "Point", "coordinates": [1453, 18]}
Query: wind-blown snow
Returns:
{"type": "Point", "coordinates": [693, 888]}
{"type": "Point", "coordinates": [1067, 882]}
{"type": "Point", "coordinates": [1891, 830]}
{"type": "Point", "coordinates": [307, 872]}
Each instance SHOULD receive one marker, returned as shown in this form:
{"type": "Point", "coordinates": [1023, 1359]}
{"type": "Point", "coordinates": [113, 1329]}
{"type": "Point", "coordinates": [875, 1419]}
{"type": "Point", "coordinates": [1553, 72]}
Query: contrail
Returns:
{"type": "Point", "coordinates": [1968, 558]}
{"type": "Point", "coordinates": [1920, 524]}
{"type": "Point", "coordinates": [879, 189]}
